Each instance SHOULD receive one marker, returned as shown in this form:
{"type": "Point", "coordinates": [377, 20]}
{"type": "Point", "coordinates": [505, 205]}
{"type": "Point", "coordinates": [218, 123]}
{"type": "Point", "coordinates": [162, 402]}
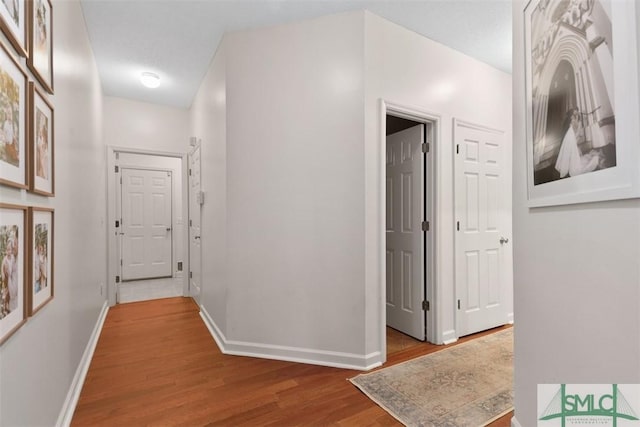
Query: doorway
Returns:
{"type": "Point", "coordinates": [147, 207]}
{"type": "Point", "coordinates": [409, 220]}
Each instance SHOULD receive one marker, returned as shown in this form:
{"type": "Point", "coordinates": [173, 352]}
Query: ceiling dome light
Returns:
{"type": "Point", "coordinates": [150, 80]}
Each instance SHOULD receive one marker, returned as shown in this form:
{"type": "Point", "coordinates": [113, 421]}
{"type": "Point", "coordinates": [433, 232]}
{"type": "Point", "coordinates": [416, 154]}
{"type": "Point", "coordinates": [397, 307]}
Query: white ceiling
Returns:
{"type": "Point", "coordinates": [177, 38]}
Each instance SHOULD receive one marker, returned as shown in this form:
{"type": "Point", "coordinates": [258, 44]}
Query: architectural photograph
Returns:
{"type": "Point", "coordinates": [311, 212]}
{"type": "Point", "coordinates": [573, 87]}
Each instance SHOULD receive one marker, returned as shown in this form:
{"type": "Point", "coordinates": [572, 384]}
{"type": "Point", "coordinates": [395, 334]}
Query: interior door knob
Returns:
{"type": "Point", "coordinates": [503, 240]}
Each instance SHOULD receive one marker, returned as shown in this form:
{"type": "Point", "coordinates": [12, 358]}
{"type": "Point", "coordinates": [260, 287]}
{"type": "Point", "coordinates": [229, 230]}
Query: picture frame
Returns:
{"type": "Point", "coordinates": [13, 231]}
{"type": "Point", "coordinates": [41, 143]}
{"type": "Point", "coordinates": [13, 23]}
{"type": "Point", "coordinates": [41, 259]}
{"type": "Point", "coordinates": [14, 164]}
{"type": "Point", "coordinates": [581, 102]}
{"type": "Point", "coordinates": [40, 58]}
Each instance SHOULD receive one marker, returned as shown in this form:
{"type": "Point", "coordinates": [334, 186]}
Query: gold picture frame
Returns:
{"type": "Point", "coordinates": [41, 143]}
{"type": "Point", "coordinates": [40, 59]}
{"type": "Point", "coordinates": [13, 23]}
{"type": "Point", "coordinates": [14, 161]}
{"type": "Point", "coordinates": [41, 259]}
{"type": "Point", "coordinates": [13, 231]}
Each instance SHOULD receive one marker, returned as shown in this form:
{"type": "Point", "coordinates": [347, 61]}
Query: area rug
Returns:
{"type": "Point", "coordinates": [469, 384]}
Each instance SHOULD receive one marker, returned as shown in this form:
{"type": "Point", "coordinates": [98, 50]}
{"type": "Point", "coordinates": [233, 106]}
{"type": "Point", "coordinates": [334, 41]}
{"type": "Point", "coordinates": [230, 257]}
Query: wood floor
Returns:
{"type": "Point", "coordinates": [156, 364]}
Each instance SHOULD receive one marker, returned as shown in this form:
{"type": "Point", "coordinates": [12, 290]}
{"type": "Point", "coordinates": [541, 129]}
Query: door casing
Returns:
{"type": "Point", "coordinates": [432, 132]}
{"type": "Point", "coordinates": [113, 259]}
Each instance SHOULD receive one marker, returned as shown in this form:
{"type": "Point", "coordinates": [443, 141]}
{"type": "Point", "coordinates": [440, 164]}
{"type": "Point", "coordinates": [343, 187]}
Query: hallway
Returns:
{"type": "Point", "coordinates": [156, 364]}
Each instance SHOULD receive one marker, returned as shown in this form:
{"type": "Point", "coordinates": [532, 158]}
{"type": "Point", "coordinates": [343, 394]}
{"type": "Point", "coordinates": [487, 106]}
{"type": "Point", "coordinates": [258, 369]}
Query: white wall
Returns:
{"type": "Point", "coordinates": [37, 364]}
{"type": "Point", "coordinates": [295, 180]}
{"type": "Point", "coordinates": [407, 69]}
{"type": "Point", "coordinates": [141, 125]}
{"type": "Point", "coordinates": [577, 294]}
{"type": "Point", "coordinates": [208, 123]}
{"type": "Point", "coordinates": [280, 117]}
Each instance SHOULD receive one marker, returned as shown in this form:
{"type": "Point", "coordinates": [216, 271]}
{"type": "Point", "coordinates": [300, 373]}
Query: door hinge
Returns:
{"type": "Point", "coordinates": [117, 279]}
{"type": "Point", "coordinates": [189, 172]}
{"type": "Point", "coordinates": [425, 147]}
{"type": "Point", "coordinates": [425, 305]}
{"type": "Point", "coordinates": [117, 223]}
{"type": "Point", "coordinates": [191, 275]}
{"type": "Point", "coordinates": [425, 225]}
{"type": "Point", "coordinates": [190, 223]}
{"type": "Point", "coordinates": [458, 225]}
{"type": "Point", "coordinates": [121, 263]}
{"type": "Point", "coordinates": [117, 169]}
{"type": "Point", "coordinates": [457, 148]}
{"type": "Point", "coordinates": [458, 304]}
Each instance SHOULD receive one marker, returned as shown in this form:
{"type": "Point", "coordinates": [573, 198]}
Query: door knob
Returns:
{"type": "Point", "coordinates": [168, 228]}
{"type": "Point", "coordinates": [503, 240]}
{"type": "Point", "coordinates": [196, 237]}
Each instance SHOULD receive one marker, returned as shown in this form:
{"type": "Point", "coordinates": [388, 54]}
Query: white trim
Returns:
{"type": "Point", "coordinates": [510, 318]}
{"type": "Point", "coordinates": [69, 405]}
{"type": "Point", "coordinates": [112, 245]}
{"type": "Point", "coordinates": [449, 337]}
{"type": "Point", "coordinates": [432, 166]}
{"type": "Point", "coordinates": [290, 354]}
{"type": "Point", "coordinates": [515, 423]}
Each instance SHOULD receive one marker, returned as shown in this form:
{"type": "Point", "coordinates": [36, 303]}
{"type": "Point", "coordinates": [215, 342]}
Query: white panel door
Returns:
{"type": "Point", "coordinates": [481, 239]}
{"type": "Point", "coordinates": [195, 254]}
{"type": "Point", "coordinates": [405, 238]}
{"type": "Point", "coordinates": [146, 224]}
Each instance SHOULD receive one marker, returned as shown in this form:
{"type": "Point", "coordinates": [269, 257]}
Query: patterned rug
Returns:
{"type": "Point", "coordinates": [465, 385]}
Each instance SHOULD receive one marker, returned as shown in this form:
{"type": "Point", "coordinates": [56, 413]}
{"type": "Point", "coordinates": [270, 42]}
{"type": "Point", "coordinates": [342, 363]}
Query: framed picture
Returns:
{"type": "Point", "coordinates": [40, 288]}
{"type": "Point", "coordinates": [41, 144]}
{"type": "Point", "coordinates": [581, 101]}
{"type": "Point", "coordinates": [40, 59]}
{"type": "Point", "coordinates": [14, 24]}
{"type": "Point", "coordinates": [12, 269]}
{"type": "Point", "coordinates": [13, 113]}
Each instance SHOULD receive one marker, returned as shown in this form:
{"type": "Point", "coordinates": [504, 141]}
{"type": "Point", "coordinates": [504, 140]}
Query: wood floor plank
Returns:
{"type": "Point", "coordinates": [156, 365]}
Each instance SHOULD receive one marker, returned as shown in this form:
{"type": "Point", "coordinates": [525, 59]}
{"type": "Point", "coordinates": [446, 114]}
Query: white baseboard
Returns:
{"type": "Point", "coordinates": [69, 406]}
{"type": "Point", "coordinates": [449, 337]}
{"type": "Point", "coordinates": [515, 423]}
{"type": "Point", "coordinates": [290, 354]}
{"type": "Point", "coordinates": [510, 318]}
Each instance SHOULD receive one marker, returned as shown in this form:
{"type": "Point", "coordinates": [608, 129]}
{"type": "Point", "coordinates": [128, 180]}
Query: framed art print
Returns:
{"type": "Point", "coordinates": [40, 290]}
{"type": "Point", "coordinates": [41, 144]}
{"type": "Point", "coordinates": [581, 101]}
{"type": "Point", "coordinates": [12, 269]}
{"type": "Point", "coordinates": [40, 60]}
{"type": "Point", "coordinates": [14, 24]}
{"type": "Point", "coordinates": [13, 113]}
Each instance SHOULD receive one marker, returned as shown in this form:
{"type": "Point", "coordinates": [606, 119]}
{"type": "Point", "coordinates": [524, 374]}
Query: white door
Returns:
{"type": "Point", "coordinates": [195, 200]}
{"type": "Point", "coordinates": [146, 224]}
{"type": "Point", "coordinates": [405, 238]}
{"type": "Point", "coordinates": [481, 239]}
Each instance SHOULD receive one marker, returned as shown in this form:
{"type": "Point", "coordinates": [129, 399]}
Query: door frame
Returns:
{"type": "Point", "coordinates": [432, 133]}
{"type": "Point", "coordinates": [112, 236]}
{"type": "Point", "coordinates": [195, 146]}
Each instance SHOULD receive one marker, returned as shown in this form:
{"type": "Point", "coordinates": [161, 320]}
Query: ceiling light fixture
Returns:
{"type": "Point", "coordinates": [150, 80]}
